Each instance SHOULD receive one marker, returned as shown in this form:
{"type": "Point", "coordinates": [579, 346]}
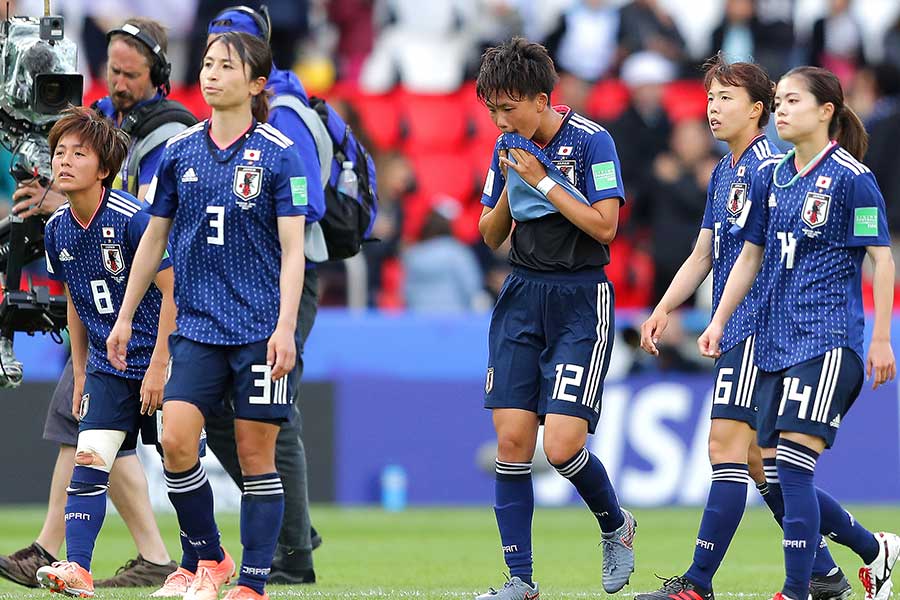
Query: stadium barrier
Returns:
{"type": "Point", "coordinates": [406, 390]}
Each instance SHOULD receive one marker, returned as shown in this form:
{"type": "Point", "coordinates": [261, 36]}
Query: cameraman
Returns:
{"type": "Point", "coordinates": [138, 81]}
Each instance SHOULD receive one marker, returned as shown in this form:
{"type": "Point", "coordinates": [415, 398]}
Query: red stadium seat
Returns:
{"type": "Point", "coordinates": [685, 100]}
{"type": "Point", "coordinates": [607, 100]}
{"type": "Point", "coordinates": [443, 173]}
{"type": "Point", "coordinates": [380, 116]}
{"type": "Point", "coordinates": [434, 122]}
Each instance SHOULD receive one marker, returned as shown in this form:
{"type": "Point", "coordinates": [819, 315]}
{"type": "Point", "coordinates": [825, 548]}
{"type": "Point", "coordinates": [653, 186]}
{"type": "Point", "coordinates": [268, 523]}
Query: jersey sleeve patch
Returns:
{"type": "Point", "coordinates": [299, 191]}
{"type": "Point", "coordinates": [865, 221]}
{"type": "Point", "coordinates": [604, 175]}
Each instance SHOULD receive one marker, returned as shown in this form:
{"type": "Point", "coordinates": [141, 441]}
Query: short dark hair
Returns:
{"type": "Point", "coordinates": [150, 27]}
{"type": "Point", "coordinates": [97, 133]}
{"type": "Point", "coordinates": [749, 76]}
{"type": "Point", "coordinates": [518, 68]}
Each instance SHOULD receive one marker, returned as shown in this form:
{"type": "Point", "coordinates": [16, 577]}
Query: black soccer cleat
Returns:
{"type": "Point", "coordinates": [677, 588]}
{"type": "Point", "coordinates": [830, 587]}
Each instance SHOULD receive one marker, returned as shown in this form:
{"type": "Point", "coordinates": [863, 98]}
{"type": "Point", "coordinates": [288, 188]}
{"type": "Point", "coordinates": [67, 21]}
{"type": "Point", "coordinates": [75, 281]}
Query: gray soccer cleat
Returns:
{"type": "Point", "coordinates": [618, 554]}
{"type": "Point", "coordinates": [513, 589]}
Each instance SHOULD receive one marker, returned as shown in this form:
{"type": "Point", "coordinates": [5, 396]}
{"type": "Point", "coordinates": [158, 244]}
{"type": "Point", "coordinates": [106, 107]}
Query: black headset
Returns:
{"type": "Point", "coordinates": [261, 18]}
{"type": "Point", "coordinates": [161, 69]}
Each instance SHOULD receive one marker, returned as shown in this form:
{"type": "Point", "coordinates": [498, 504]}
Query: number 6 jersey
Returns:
{"type": "Point", "coordinates": [224, 205]}
{"type": "Point", "coordinates": [815, 228]}
{"type": "Point", "coordinates": [94, 261]}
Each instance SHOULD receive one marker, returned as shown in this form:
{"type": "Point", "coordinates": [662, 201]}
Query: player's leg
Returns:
{"type": "Point", "coordinates": [511, 392]}
{"type": "Point", "coordinates": [579, 330]}
{"type": "Point", "coordinates": [198, 376]}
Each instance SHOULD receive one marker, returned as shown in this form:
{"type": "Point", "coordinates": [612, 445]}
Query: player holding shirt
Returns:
{"type": "Point", "coordinates": [90, 244]}
{"type": "Point", "coordinates": [739, 97]}
{"type": "Point", "coordinates": [812, 217]}
{"type": "Point", "coordinates": [233, 193]}
{"type": "Point", "coordinates": [556, 174]}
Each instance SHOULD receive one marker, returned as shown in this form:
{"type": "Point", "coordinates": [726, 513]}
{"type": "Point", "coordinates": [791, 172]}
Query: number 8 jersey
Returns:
{"type": "Point", "coordinates": [94, 261]}
{"type": "Point", "coordinates": [815, 229]}
{"type": "Point", "coordinates": [224, 205]}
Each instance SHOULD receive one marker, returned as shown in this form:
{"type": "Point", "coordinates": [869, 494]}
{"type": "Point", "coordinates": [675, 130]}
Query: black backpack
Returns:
{"type": "Point", "coordinates": [347, 222]}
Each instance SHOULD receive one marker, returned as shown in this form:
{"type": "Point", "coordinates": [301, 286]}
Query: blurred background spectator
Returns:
{"type": "Point", "coordinates": [836, 42]}
{"type": "Point", "coordinates": [738, 35]}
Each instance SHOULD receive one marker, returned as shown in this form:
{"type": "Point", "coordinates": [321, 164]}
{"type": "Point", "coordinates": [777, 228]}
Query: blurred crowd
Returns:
{"type": "Point", "coordinates": [402, 71]}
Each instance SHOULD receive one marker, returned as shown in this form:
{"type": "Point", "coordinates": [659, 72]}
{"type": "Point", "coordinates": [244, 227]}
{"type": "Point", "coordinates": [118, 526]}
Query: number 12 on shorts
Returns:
{"type": "Point", "coordinates": [273, 392]}
{"type": "Point", "coordinates": [563, 381]}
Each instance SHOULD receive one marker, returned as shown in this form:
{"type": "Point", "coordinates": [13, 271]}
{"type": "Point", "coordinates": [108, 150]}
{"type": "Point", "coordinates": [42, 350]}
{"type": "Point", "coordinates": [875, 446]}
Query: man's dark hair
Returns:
{"type": "Point", "coordinates": [518, 68]}
{"type": "Point", "coordinates": [149, 27]}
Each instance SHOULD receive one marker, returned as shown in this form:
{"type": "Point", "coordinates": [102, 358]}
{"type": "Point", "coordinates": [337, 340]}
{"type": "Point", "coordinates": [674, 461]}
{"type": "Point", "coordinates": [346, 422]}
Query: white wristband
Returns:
{"type": "Point", "coordinates": [545, 185]}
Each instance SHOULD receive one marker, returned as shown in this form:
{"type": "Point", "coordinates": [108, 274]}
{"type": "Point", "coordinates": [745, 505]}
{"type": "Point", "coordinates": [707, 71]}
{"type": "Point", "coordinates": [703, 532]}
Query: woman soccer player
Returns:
{"type": "Point", "coordinates": [813, 216]}
{"type": "Point", "coordinates": [90, 244]}
{"type": "Point", "coordinates": [551, 331]}
{"type": "Point", "coordinates": [739, 98]}
{"type": "Point", "coordinates": [233, 193]}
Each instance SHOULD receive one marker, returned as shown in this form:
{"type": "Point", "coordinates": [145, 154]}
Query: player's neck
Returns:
{"type": "Point", "coordinates": [226, 126]}
{"type": "Point", "coordinates": [84, 203]}
{"type": "Point", "coordinates": [807, 149]}
{"type": "Point", "coordinates": [741, 142]}
{"type": "Point", "coordinates": [550, 124]}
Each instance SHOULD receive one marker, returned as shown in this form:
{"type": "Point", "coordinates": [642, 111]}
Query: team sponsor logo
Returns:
{"type": "Point", "coordinates": [489, 381]}
{"type": "Point", "coordinates": [109, 232]}
{"type": "Point", "coordinates": [567, 168]}
{"type": "Point", "coordinates": [247, 183]}
{"type": "Point", "coordinates": [250, 154]}
{"type": "Point", "coordinates": [737, 198]}
{"type": "Point", "coordinates": [815, 209]}
{"type": "Point", "coordinates": [564, 150]}
{"type": "Point", "coordinates": [85, 405]}
{"type": "Point", "coordinates": [112, 258]}
{"type": "Point", "coordinates": [65, 256]}
{"type": "Point", "coordinates": [823, 182]}
{"type": "Point", "coordinates": [189, 176]}
{"type": "Point", "coordinates": [835, 422]}
{"type": "Point", "coordinates": [773, 202]}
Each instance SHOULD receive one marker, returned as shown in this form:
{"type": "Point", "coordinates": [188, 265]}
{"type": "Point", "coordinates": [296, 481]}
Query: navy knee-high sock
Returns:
{"type": "Point", "coordinates": [840, 526]}
{"type": "Point", "coordinates": [587, 474]}
{"type": "Point", "coordinates": [192, 497]}
{"type": "Point", "coordinates": [824, 563]}
{"type": "Point", "coordinates": [721, 517]}
{"type": "Point", "coordinates": [262, 510]}
{"type": "Point", "coordinates": [514, 509]}
{"type": "Point", "coordinates": [85, 511]}
{"type": "Point", "coordinates": [796, 471]}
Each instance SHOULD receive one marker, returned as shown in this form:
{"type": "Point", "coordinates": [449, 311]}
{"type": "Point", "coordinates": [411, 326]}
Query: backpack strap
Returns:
{"type": "Point", "coordinates": [313, 122]}
{"type": "Point", "coordinates": [141, 147]}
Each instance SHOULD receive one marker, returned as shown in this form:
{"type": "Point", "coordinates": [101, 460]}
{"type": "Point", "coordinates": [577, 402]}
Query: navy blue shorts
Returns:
{"type": "Point", "coordinates": [736, 377]}
{"type": "Point", "coordinates": [114, 402]}
{"type": "Point", "coordinates": [550, 342]}
{"type": "Point", "coordinates": [810, 398]}
{"type": "Point", "coordinates": [206, 374]}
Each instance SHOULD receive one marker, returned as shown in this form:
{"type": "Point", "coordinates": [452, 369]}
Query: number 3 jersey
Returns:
{"type": "Point", "coordinates": [94, 261]}
{"type": "Point", "coordinates": [815, 232]}
{"type": "Point", "coordinates": [224, 205]}
{"type": "Point", "coordinates": [726, 198]}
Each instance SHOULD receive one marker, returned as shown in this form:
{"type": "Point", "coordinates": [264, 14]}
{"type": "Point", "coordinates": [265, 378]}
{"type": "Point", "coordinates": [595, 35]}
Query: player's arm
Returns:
{"type": "Point", "coordinates": [78, 340]}
{"type": "Point", "coordinates": [496, 223]}
{"type": "Point", "coordinates": [688, 278]}
{"type": "Point", "coordinates": [880, 359]}
{"type": "Point", "coordinates": [600, 220]}
{"type": "Point", "coordinates": [740, 280]}
{"type": "Point", "coordinates": [143, 271]}
{"type": "Point", "coordinates": [155, 378]}
{"type": "Point", "coordinates": [282, 348]}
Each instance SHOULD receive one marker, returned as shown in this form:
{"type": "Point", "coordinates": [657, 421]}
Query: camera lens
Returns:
{"type": "Point", "coordinates": [52, 92]}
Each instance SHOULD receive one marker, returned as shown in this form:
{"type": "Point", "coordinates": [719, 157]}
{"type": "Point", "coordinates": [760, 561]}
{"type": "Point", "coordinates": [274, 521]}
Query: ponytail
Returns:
{"type": "Point", "coordinates": [259, 106]}
{"type": "Point", "coordinates": [851, 134]}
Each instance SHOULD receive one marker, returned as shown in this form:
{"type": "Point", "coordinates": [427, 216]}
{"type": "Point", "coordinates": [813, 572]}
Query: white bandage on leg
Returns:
{"type": "Point", "coordinates": [97, 448]}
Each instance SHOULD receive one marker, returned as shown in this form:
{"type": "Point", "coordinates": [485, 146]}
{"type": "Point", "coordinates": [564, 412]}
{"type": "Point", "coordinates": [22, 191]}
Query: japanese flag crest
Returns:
{"type": "Point", "coordinates": [815, 209]}
{"type": "Point", "coordinates": [113, 261]}
{"type": "Point", "coordinates": [247, 182]}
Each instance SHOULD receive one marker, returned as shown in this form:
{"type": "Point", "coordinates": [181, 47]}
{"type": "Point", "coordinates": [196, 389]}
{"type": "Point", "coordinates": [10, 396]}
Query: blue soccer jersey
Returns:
{"type": "Point", "coordinates": [94, 261]}
{"type": "Point", "coordinates": [726, 197]}
{"type": "Point", "coordinates": [547, 241]}
{"type": "Point", "coordinates": [815, 232]}
{"type": "Point", "coordinates": [224, 205]}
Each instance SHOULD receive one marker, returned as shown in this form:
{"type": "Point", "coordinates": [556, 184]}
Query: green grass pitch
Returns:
{"type": "Point", "coordinates": [450, 553]}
